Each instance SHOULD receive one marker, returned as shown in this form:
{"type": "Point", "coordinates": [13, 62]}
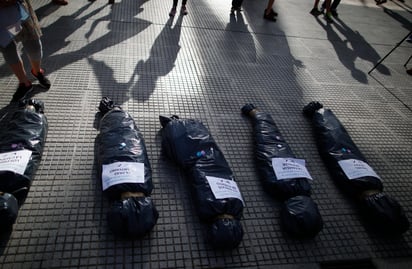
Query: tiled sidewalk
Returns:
{"type": "Point", "coordinates": [207, 65]}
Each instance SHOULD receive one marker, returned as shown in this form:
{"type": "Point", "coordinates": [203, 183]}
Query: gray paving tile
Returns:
{"type": "Point", "coordinates": [206, 65]}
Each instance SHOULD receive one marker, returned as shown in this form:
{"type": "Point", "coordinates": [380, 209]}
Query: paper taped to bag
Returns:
{"type": "Point", "coordinates": [356, 168]}
{"type": "Point", "coordinates": [286, 168]}
{"type": "Point", "coordinates": [224, 188]}
{"type": "Point", "coordinates": [15, 161]}
{"type": "Point", "coordinates": [122, 172]}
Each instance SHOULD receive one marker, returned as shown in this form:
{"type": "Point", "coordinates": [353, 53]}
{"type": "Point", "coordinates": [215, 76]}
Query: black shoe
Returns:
{"type": "Point", "coordinates": [247, 108]}
{"type": "Point", "coordinates": [315, 12]}
{"type": "Point", "coordinates": [21, 92]}
{"type": "Point", "coordinates": [270, 17]}
{"type": "Point", "coordinates": [334, 13]}
{"type": "Point", "coordinates": [43, 81]}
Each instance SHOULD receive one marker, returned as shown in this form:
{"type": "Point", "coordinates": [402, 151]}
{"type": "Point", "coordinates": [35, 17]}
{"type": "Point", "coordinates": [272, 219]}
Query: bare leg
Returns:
{"type": "Point", "coordinates": [18, 70]}
{"type": "Point", "coordinates": [35, 66]}
{"type": "Point", "coordinates": [270, 5]}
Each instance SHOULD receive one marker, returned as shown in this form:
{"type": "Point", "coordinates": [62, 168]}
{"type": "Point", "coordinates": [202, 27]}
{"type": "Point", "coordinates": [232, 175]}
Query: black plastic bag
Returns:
{"type": "Point", "coordinates": [125, 172]}
{"type": "Point", "coordinates": [22, 138]}
{"type": "Point", "coordinates": [350, 170]}
{"type": "Point", "coordinates": [189, 143]}
{"type": "Point", "coordinates": [283, 177]}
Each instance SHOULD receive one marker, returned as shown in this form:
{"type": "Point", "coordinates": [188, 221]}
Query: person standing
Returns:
{"type": "Point", "coordinates": [183, 9]}
{"type": "Point", "coordinates": [30, 37]}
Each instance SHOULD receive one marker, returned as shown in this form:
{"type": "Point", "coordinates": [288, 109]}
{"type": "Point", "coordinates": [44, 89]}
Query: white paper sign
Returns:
{"type": "Point", "coordinates": [356, 168]}
{"type": "Point", "coordinates": [286, 168]}
{"type": "Point", "coordinates": [122, 172]}
{"type": "Point", "coordinates": [15, 161]}
{"type": "Point", "coordinates": [224, 188]}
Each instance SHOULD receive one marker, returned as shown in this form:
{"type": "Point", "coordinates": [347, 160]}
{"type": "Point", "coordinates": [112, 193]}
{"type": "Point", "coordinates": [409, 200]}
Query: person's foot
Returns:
{"type": "Point", "coordinates": [22, 91]}
{"type": "Point", "coordinates": [315, 12]}
{"type": "Point", "coordinates": [183, 10]}
{"type": "Point", "coordinates": [270, 16]}
{"type": "Point", "coordinates": [172, 12]}
{"type": "Point", "coordinates": [328, 17]}
{"type": "Point", "coordinates": [274, 13]}
{"type": "Point", "coordinates": [334, 13]}
{"type": "Point", "coordinates": [43, 80]}
{"type": "Point", "coordinates": [60, 2]}
{"type": "Point", "coordinates": [409, 71]}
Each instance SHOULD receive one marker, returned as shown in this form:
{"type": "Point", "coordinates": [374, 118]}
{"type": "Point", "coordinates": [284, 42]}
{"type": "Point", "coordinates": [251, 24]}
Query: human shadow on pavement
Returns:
{"type": "Point", "coordinates": [161, 61]}
{"type": "Point", "coordinates": [66, 26]}
{"type": "Point", "coordinates": [351, 48]}
{"type": "Point", "coordinates": [237, 24]}
{"type": "Point", "coordinates": [108, 85]}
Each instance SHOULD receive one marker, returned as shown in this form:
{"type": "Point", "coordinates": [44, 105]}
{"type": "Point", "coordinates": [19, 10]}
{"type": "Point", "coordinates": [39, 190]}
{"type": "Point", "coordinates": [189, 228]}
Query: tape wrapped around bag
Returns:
{"type": "Point", "coordinates": [189, 143]}
{"type": "Point", "coordinates": [120, 147]}
{"type": "Point", "coordinates": [351, 172]}
{"type": "Point", "coordinates": [22, 138]}
{"type": "Point", "coordinates": [283, 176]}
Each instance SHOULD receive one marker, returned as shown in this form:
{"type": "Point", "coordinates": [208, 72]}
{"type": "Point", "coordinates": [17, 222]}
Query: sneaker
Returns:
{"type": "Point", "coordinates": [269, 17]}
{"type": "Point", "coordinates": [315, 12]}
{"type": "Point", "coordinates": [183, 10]}
{"type": "Point", "coordinates": [43, 81]}
{"type": "Point", "coordinates": [328, 17]}
{"type": "Point", "coordinates": [172, 12]}
{"type": "Point", "coordinates": [21, 92]}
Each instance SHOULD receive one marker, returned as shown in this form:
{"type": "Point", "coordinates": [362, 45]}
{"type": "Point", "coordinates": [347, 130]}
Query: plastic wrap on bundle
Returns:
{"type": "Point", "coordinates": [189, 143]}
{"type": "Point", "coordinates": [350, 170]}
{"type": "Point", "coordinates": [126, 173]}
{"type": "Point", "coordinates": [22, 139]}
{"type": "Point", "coordinates": [283, 176]}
